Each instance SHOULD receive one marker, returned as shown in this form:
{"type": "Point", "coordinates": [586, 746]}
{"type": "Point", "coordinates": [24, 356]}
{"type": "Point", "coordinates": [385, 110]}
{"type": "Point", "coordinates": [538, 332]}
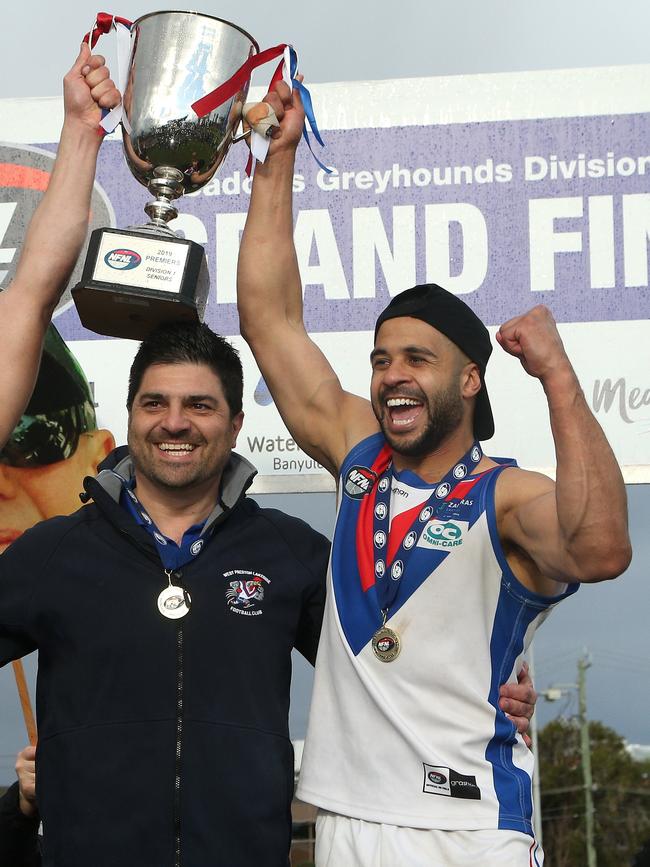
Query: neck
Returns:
{"type": "Point", "coordinates": [436, 464]}
{"type": "Point", "coordinates": [173, 510]}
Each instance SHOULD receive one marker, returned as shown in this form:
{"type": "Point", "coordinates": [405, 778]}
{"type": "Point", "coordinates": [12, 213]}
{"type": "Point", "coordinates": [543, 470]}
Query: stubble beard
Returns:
{"type": "Point", "coordinates": [170, 478]}
{"type": "Point", "coordinates": [444, 414]}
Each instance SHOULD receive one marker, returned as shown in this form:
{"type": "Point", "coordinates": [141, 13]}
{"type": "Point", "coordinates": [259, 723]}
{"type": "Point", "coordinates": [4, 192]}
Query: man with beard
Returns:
{"type": "Point", "coordinates": [55, 236]}
{"type": "Point", "coordinates": [444, 560]}
{"type": "Point", "coordinates": [165, 612]}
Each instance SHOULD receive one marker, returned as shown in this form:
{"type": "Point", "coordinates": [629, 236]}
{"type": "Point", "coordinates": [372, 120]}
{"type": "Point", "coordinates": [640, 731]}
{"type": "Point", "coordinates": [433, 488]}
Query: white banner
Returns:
{"type": "Point", "coordinates": [510, 190]}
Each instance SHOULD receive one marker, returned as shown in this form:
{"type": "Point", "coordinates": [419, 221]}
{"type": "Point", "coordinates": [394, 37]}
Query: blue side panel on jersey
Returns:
{"type": "Point", "coordinates": [517, 607]}
{"type": "Point", "coordinates": [512, 785]}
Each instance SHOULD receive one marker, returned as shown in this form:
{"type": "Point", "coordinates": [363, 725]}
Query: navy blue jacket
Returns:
{"type": "Point", "coordinates": [18, 833]}
{"type": "Point", "coordinates": [164, 743]}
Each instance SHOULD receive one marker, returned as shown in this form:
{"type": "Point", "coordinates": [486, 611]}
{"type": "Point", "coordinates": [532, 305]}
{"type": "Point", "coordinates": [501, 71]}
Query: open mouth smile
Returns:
{"type": "Point", "coordinates": [403, 411]}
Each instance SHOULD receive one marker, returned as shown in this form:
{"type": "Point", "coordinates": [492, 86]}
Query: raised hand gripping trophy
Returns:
{"type": "Point", "coordinates": [134, 279]}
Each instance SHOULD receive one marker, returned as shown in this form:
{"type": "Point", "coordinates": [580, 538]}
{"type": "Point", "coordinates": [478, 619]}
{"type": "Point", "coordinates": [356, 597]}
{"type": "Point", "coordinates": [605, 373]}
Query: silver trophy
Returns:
{"type": "Point", "coordinates": [137, 278]}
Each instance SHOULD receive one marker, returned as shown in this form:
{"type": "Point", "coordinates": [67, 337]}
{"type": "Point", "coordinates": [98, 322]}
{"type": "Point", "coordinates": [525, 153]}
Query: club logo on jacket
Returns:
{"type": "Point", "coordinates": [359, 482]}
{"type": "Point", "coordinates": [245, 591]}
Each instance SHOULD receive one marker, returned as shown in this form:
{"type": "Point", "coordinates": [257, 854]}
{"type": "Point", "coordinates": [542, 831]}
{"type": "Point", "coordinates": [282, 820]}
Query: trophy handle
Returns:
{"type": "Point", "coordinates": [241, 136]}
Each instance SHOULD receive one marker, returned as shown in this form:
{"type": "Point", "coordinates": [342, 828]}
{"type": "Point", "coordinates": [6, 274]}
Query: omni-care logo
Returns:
{"type": "Point", "coordinates": [443, 534]}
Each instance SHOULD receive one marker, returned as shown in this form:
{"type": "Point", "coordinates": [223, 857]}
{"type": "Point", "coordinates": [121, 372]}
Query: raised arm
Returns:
{"type": "Point", "coordinates": [324, 419]}
{"type": "Point", "coordinates": [575, 530]}
{"type": "Point", "coordinates": [54, 238]}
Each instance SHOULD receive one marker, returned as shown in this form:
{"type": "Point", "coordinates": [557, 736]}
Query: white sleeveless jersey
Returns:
{"type": "Point", "coordinates": [420, 741]}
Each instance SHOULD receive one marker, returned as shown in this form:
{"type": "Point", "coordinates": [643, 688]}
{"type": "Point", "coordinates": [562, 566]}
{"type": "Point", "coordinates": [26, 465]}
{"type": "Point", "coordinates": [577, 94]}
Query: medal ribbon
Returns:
{"type": "Point", "coordinates": [389, 577]}
{"type": "Point", "coordinates": [173, 556]}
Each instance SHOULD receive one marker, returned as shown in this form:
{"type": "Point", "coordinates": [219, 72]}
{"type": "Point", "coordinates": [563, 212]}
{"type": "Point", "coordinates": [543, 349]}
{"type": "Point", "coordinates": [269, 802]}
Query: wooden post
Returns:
{"type": "Point", "coordinates": [25, 702]}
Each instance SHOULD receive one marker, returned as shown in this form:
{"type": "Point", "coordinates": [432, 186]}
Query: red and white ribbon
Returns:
{"type": "Point", "coordinates": [105, 23]}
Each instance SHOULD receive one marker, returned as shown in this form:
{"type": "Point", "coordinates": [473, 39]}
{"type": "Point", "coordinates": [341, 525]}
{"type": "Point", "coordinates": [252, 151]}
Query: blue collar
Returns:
{"type": "Point", "coordinates": [172, 555]}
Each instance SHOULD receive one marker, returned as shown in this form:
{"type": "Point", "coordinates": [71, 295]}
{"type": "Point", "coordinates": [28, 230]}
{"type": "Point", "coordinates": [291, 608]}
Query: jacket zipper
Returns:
{"type": "Point", "coordinates": [177, 575]}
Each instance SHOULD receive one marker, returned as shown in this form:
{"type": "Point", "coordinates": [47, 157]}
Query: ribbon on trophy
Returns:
{"type": "Point", "coordinates": [104, 23]}
{"type": "Point", "coordinates": [287, 70]}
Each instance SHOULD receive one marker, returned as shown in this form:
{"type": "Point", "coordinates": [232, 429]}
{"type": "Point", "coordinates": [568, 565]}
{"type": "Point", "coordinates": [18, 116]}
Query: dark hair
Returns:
{"type": "Point", "coordinates": [193, 342]}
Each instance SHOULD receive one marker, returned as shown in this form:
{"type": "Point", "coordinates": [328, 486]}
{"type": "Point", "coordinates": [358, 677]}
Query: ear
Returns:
{"type": "Point", "coordinates": [470, 380]}
{"type": "Point", "coordinates": [98, 444]}
{"type": "Point", "coordinates": [237, 422]}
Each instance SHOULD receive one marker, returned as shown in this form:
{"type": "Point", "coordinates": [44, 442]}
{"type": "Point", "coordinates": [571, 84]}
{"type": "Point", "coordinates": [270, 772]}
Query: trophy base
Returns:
{"type": "Point", "coordinates": [134, 280]}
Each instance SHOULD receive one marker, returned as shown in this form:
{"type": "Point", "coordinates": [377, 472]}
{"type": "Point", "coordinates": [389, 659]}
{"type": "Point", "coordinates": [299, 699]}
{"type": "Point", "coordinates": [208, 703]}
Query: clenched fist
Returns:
{"type": "Point", "coordinates": [533, 338]}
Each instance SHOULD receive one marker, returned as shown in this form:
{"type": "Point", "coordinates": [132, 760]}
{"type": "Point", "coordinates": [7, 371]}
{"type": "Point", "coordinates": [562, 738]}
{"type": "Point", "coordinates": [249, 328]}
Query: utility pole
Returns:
{"type": "Point", "coordinates": [554, 693]}
{"type": "Point", "coordinates": [585, 749]}
{"type": "Point", "coordinates": [537, 798]}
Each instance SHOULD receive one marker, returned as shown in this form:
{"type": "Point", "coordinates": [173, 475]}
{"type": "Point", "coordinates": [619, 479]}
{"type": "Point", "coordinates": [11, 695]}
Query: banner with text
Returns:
{"type": "Point", "coordinates": [506, 209]}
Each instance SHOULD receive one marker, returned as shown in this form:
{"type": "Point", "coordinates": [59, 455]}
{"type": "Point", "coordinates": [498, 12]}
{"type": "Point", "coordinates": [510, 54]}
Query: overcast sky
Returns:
{"type": "Point", "coordinates": [340, 41]}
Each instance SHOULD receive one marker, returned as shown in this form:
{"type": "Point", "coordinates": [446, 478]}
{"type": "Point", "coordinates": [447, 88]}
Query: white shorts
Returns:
{"type": "Point", "coordinates": [345, 842]}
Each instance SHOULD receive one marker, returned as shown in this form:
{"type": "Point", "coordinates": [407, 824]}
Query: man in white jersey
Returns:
{"type": "Point", "coordinates": [444, 560]}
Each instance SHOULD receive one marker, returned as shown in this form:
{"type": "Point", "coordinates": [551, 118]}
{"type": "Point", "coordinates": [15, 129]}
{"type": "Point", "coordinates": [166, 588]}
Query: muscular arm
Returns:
{"type": "Point", "coordinates": [324, 419]}
{"type": "Point", "coordinates": [575, 530]}
{"type": "Point", "coordinates": [54, 238]}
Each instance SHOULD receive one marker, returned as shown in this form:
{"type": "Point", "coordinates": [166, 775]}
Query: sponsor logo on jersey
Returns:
{"type": "Point", "coordinates": [396, 570]}
{"type": "Point", "coordinates": [443, 490]}
{"type": "Point", "coordinates": [245, 591]}
{"type": "Point", "coordinates": [443, 534]}
{"type": "Point", "coordinates": [159, 538]}
{"type": "Point", "coordinates": [359, 482]}
{"type": "Point", "coordinates": [449, 783]}
{"type": "Point", "coordinates": [383, 484]}
{"type": "Point", "coordinates": [476, 454]}
{"type": "Point", "coordinates": [195, 547]}
{"type": "Point", "coordinates": [379, 539]}
{"type": "Point", "coordinates": [122, 259]}
{"type": "Point", "coordinates": [380, 568]}
{"type": "Point", "coordinates": [400, 492]}
{"type": "Point", "coordinates": [381, 511]}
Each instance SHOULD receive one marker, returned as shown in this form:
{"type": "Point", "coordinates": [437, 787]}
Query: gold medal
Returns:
{"type": "Point", "coordinates": [386, 644]}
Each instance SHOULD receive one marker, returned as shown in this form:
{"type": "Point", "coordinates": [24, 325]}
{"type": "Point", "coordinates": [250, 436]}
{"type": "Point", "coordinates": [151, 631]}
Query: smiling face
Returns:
{"type": "Point", "coordinates": [181, 430]}
{"type": "Point", "coordinates": [420, 385]}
